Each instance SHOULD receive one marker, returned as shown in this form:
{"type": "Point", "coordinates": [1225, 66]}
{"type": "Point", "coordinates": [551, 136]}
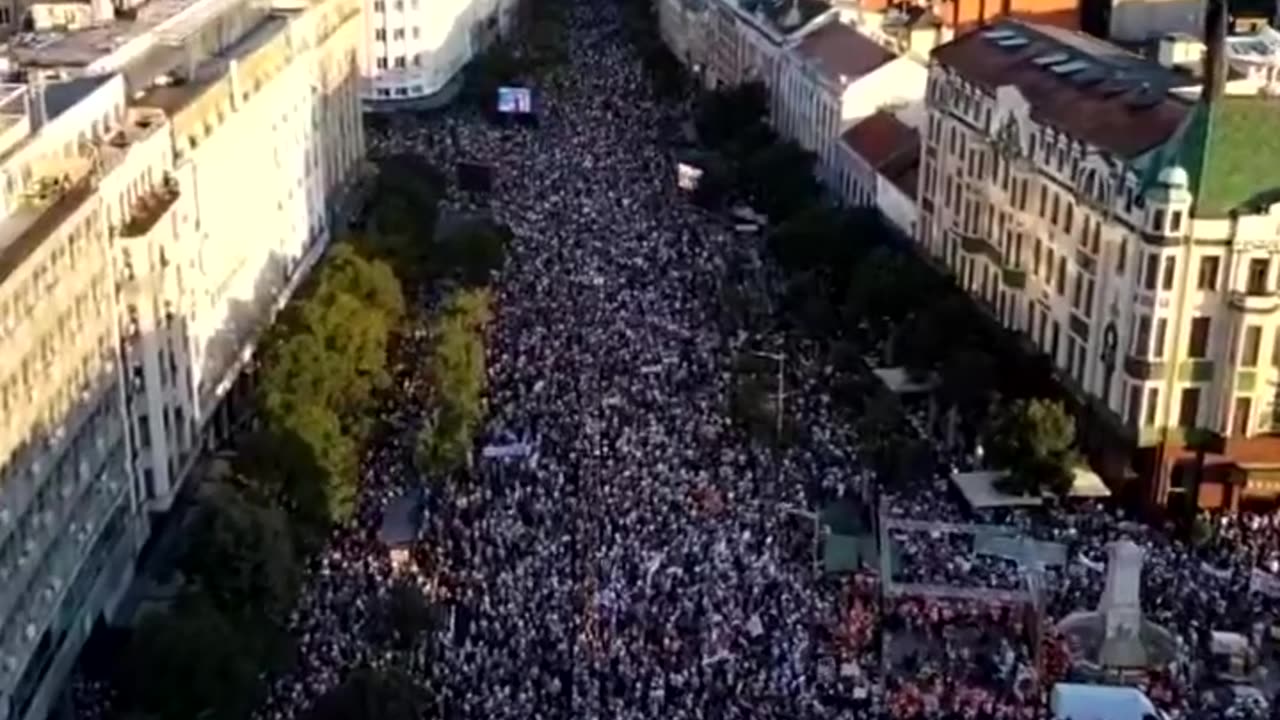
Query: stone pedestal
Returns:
{"type": "Point", "coordinates": [1121, 608]}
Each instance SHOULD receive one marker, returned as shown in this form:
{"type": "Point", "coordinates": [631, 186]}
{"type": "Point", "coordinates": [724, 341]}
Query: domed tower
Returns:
{"type": "Point", "coordinates": [1168, 202]}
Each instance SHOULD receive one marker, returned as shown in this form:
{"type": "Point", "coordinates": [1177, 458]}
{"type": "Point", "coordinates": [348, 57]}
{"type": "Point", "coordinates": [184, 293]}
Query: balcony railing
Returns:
{"type": "Point", "coordinates": [1249, 301]}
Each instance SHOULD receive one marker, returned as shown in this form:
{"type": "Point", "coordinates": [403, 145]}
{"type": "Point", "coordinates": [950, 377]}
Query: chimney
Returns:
{"type": "Point", "coordinates": [35, 101]}
{"type": "Point", "coordinates": [1215, 54]}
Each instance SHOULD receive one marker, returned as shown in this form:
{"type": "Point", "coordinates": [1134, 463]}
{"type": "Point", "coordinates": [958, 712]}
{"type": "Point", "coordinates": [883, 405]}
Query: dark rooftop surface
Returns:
{"type": "Point", "coordinates": [61, 96]}
{"type": "Point", "coordinates": [1085, 87]}
{"type": "Point", "coordinates": [842, 52]}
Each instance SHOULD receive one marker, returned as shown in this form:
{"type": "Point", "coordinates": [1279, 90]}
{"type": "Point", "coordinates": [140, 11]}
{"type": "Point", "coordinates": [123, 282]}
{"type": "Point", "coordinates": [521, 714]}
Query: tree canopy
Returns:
{"type": "Point", "coordinates": [471, 251]}
{"type": "Point", "coordinates": [242, 553]}
{"type": "Point", "coordinates": [373, 695]}
{"type": "Point", "coordinates": [457, 369]}
{"type": "Point", "coordinates": [1034, 440]}
{"type": "Point", "coordinates": [190, 662]}
{"type": "Point", "coordinates": [320, 371]}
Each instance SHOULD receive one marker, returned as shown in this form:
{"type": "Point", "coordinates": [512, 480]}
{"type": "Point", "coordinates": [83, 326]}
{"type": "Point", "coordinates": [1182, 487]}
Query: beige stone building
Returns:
{"type": "Point", "coordinates": [162, 197]}
{"type": "Point", "coordinates": [1124, 218]}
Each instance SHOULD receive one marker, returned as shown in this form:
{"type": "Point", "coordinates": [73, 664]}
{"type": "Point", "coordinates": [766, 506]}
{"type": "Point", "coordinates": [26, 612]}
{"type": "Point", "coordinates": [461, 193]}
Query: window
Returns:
{"type": "Point", "coordinates": [399, 61]}
{"type": "Point", "coordinates": [1251, 346]}
{"type": "Point", "coordinates": [1170, 266]}
{"type": "Point", "coordinates": [1198, 343]}
{"type": "Point", "coordinates": [397, 34]}
{"type": "Point", "coordinates": [379, 34]}
{"type": "Point", "coordinates": [1275, 350]}
{"type": "Point", "coordinates": [382, 63]}
{"type": "Point", "coordinates": [1150, 272]}
{"type": "Point", "coordinates": [1061, 285]}
{"type": "Point", "coordinates": [1240, 415]}
{"type": "Point", "coordinates": [1259, 270]}
{"type": "Point", "coordinates": [1149, 413]}
{"type": "Point", "coordinates": [1208, 276]}
{"type": "Point", "coordinates": [1132, 412]}
{"type": "Point", "coordinates": [1175, 221]}
{"type": "Point", "coordinates": [1142, 337]}
{"type": "Point", "coordinates": [1157, 341]}
{"type": "Point", "coordinates": [1122, 255]}
{"type": "Point", "coordinates": [1157, 221]}
{"type": "Point", "coordinates": [1189, 407]}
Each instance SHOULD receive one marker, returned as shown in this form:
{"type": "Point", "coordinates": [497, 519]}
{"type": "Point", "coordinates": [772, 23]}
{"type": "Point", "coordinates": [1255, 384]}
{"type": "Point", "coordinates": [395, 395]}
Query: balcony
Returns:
{"type": "Point", "coordinates": [1142, 369]}
{"type": "Point", "coordinates": [1195, 371]}
{"type": "Point", "coordinates": [1013, 277]}
{"type": "Point", "coordinates": [977, 245]}
{"type": "Point", "coordinates": [148, 209]}
{"type": "Point", "coordinates": [1259, 302]}
{"type": "Point", "coordinates": [48, 203]}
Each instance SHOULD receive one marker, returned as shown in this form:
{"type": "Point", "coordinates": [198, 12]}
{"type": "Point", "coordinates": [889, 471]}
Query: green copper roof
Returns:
{"type": "Point", "coordinates": [1230, 148]}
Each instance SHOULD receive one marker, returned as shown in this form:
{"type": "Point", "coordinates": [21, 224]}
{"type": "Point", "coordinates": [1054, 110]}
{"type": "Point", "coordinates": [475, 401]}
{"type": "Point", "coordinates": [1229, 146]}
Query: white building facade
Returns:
{"type": "Point", "coordinates": [140, 260]}
{"type": "Point", "coordinates": [415, 49]}
{"type": "Point", "coordinates": [833, 77]}
{"type": "Point", "coordinates": [1112, 221]}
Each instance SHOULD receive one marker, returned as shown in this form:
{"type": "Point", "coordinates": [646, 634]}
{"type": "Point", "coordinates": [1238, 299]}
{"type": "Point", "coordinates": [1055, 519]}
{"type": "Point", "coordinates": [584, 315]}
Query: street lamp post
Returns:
{"type": "Point", "coordinates": [781, 359]}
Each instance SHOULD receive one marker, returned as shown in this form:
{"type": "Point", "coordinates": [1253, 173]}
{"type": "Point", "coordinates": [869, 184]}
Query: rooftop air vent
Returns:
{"type": "Point", "coordinates": [1089, 76]}
{"type": "Point", "coordinates": [1050, 58]}
{"type": "Point", "coordinates": [997, 33]}
{"type": "Point", "coordinates": [1068, 68]}
{"type": "Point", "coordinates": [1013, 42]}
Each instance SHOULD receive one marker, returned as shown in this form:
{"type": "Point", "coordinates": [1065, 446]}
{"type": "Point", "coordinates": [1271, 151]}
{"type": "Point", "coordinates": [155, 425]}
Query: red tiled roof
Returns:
{"type": "Point", "coordinates": [881, 140]}
{"type": "Point", "coordinates": [842, 53]}
{"type": "Point", "coordinates": [1082, 112]}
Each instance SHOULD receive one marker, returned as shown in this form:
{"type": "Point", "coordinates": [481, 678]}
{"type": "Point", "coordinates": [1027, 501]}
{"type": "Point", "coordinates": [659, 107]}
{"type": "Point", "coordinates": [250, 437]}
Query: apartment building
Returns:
{"type": "Point", "coordinates": [878, 163]}
{"type": "Point", "coordinates": [961, 16]}
{"type": "Point", "coordinates": [743, 39]}
{"type": "Point", "coordinates": [416, 49]}
{"type": "Point", "coordinates": [832, 77]}
{"type": "Point", "coordinates": [683, 26]}
{"type": "Point", "coordinates": [154, 219]}
{"type": "Point", "coordinates": [68, 526]}
{"type": "Point", "coordinates": [1121, 215]}
{"type": "Point", "coordinates": [902, 29]}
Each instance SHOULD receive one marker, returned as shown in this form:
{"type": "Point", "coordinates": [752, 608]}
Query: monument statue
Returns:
{"type": "Point", "coordinates": [1121, 608]}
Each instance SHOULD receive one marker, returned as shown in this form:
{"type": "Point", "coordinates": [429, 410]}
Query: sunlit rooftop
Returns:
{"type": "Point", "coordinates": [86, 47]}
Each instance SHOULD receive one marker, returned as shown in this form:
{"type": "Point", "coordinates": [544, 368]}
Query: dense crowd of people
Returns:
{"type": "Point", "coordinates": [642, 559]}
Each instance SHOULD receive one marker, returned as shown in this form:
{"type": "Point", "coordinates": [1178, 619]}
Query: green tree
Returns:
{"type": "Point", "coordinates": [402, 211]}
{"type": "Point", "coordinates": [968, 380]}
{"type": "Point", "coordinates": [722, 114]}
{"type": "Point", "coordinates": [879, 292]}
{"type": "Point", "coordinates": [241, 553]}
{"type": "Point", "coordinates": [457, 369]}
{"type": "Point", "coordinates": [373, 695]}
{"type": "Point", "coordinates": [1033, 440]}
{"type": "Point", "coordinates": [472, 251]}
{"type": "Point", "coordinates": [319, 430]}
{"type": "Point", "coordinates": [814, 238]}
{"type": "Point", "coordinates": [189, 662]}
{"type": "Point", "coordinates": [779, 180]}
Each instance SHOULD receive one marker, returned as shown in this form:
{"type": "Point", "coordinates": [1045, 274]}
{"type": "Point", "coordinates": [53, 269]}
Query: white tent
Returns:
{"type": "Point", "coordinates": [1071, 701]}
{"type": "Point", "coordinates": [900, 382]}
{"type": "Point", "coordinates": [980, 491]}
